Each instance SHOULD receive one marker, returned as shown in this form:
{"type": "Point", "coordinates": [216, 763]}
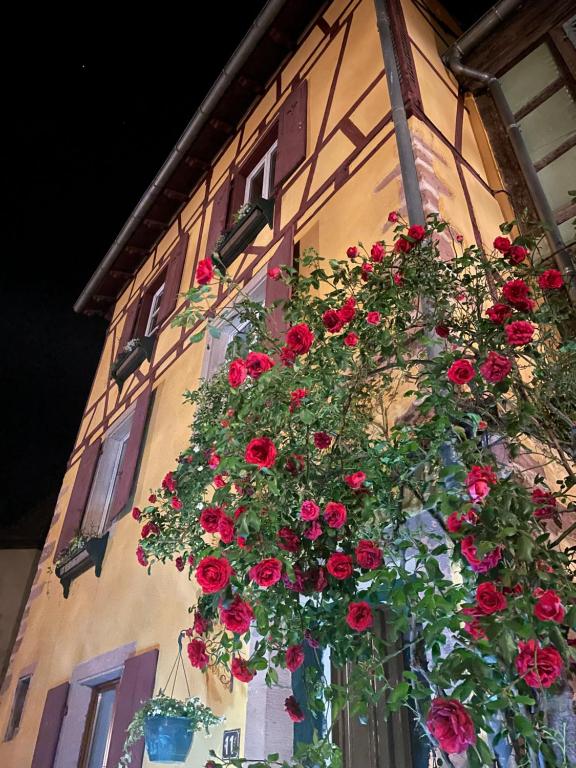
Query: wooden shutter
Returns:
{"type": "Point", "coordinates": [136, 685]}
{"type": "Point", "coordinates": [129, 325]}
{"type": "Point", "coordinates": [79, 495]}
{"type": "Point", "coordinates": [173, 278]}
{"type": "Point", "coordinates": [276, 290]}
{"type": "Point", "coordinates": [49, 731]}
{"type": "Point", "coordinates": [127, 470]}
{"type": "Point", "coordinates": [219, 216]}
{"type": "Point", "coordinates": [291, 133]}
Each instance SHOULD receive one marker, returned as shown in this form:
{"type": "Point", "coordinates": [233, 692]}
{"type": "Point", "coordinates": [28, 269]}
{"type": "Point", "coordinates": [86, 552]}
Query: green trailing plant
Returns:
{"type": "Point", "coordinates": [406, 449]}
{"type": "Point", "coordinates": [76, 544]}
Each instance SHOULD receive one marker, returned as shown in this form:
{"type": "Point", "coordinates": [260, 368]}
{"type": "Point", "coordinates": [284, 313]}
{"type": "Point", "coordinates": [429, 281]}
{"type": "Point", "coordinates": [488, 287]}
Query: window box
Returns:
{"type": "Point", "coordinates": [78, 559]}
{"type": "Point", "coordinates": [131, 358]}
{"type": "Point", "coordinates": [250, 221]}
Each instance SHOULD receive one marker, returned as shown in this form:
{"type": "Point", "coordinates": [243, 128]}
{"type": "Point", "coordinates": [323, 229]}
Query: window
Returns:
{"type": "Point", "coordinates": [20, 694]}
{"type": "Point", "coordinates": [106, 476]}
{"type": "Point", "coordinates": [152, 322]}
{"type": "Point", "coordinates": [96, 742]}
{"type": "Point", "coordinates": [231, 329]}
{"type": "Point", "coordinates": [260, 180]}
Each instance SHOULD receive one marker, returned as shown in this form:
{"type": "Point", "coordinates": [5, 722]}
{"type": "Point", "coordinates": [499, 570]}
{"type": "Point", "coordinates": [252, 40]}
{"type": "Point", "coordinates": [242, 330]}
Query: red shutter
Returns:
{"type": "Point", "coordinates": [129, 325]}
{"type": "Point", "coordinates": [219, 216]}
{"type": "Point", "coordinates": [291, 133]}
{"type": "Point", "coordinates": [79, 495]}
{"type": "Point", "coordinates": [277, 290]}
{"type": "Point", "coordinates": [127, 471]}
{"type": "Point", "coordinates": [136, 685]}
{"type": "Point", "coordinates": [49, 731]}
{"type": "Point", "coordinates": [173, 278]}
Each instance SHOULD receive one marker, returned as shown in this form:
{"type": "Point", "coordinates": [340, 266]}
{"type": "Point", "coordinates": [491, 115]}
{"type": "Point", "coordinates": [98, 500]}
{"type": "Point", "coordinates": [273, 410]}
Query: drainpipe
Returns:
{"type": "Point", "coordinates": [401, 130]}
{"type": "Point", "coordinates": [453, 60]}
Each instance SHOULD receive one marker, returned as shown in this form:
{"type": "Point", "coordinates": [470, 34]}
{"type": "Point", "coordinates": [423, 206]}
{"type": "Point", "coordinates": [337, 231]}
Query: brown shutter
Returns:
{"type": "Point", "coordinates": [173, 278]}
{"type": "Point", "coordinates": [129, 325]}
{"type": "Point", "coordinates": [79, 495]}
{"type": "Point", "coordinates": [136, 685]}
{"type": "Point", "coordinates": [291, 133]}
{"type": "Point", "coordinates": [49, 731]}
{"type": "Point", "coordinates": [277, 290]}
{"type": "Point", "coordinates": [126, 475]}
{"type": "Point", "coordinates": [219, 216]}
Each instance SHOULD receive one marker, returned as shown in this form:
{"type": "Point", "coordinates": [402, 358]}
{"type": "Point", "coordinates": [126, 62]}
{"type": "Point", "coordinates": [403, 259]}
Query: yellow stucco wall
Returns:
{"type": "Point", "coordinates": [125, 605]}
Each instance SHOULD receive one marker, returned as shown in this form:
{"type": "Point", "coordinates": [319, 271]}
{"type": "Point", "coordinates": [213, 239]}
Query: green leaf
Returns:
{"type": "Point", "coordinates": [196, 337]}
{"type": "Point", "coordinates": [214, 331]}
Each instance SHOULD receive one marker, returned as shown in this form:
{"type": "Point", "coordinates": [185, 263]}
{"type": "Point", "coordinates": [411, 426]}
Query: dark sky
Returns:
{"type": "Point", "coordinates": [92, 107]}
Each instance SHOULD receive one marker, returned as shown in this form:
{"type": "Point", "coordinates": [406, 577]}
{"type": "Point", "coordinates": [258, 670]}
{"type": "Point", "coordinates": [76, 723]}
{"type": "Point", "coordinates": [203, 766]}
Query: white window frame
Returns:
{"type": "Point", "coordinates": [266, 163]}
{"type": "Point", "coordinates": [151, 323]}
{"type": "Point", "coordinates": [95, 520]}
{"type": "Point", "coordinates": [215, 350]}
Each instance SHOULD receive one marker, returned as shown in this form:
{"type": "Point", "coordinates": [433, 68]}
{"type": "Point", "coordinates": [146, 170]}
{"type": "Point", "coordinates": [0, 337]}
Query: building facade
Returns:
{"type": "Point", "coordinates": [306, 115]}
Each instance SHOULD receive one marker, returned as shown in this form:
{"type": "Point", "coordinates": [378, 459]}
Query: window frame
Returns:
{"type": "Point", "coordinates": [156, 302]}
{"type": "Point", "coordinates": [92, 719]}
{"type": "Point", "coordinates": [18, 705]}
{"type": "Point", "coordinates": [268, 180]}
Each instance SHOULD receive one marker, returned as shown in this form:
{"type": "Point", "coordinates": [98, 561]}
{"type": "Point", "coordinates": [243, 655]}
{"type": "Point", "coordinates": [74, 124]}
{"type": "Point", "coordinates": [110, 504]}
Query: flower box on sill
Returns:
{"type": "Point", "coordinates": [252, 218]}
{"type": "Point", "coordinates": [131, 358]}
{"type": "Point", "coordinates": [76, 561]}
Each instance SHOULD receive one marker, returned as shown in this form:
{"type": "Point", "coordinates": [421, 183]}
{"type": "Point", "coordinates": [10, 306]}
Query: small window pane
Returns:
{"type": "Point", "coordinates": [102, 725]}
{"type": "Point", "coordinates": [529, 77]}
{"type": "Point", "coordinates": [256, 186]}
{"type": "Point", "coordinates": [17, 707]}
{"type": "Point", "coordinates": [558, 177]}
{"type": "Point", "coordinates": [568, 231]}
{"type": "Point", "coordinates": [272, 168]}
{"type": "Point", "coordinates": [549, 125]}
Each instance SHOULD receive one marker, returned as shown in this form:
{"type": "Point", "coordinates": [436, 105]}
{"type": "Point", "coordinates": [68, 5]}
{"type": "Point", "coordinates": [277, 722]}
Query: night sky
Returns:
{"type": "Point", "coordinates": [92, 108]}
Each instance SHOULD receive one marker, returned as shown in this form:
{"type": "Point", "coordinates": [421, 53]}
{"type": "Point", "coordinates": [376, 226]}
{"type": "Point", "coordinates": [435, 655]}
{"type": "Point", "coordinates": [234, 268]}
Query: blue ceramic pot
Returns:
{"type": "Point", "coordinates": [168, 739]}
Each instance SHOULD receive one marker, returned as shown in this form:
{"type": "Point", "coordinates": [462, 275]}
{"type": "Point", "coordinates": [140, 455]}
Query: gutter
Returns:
{"type": "Point", "coordinates": [198, 121]}
{"type": "Point", "coordinates": [453, 60]}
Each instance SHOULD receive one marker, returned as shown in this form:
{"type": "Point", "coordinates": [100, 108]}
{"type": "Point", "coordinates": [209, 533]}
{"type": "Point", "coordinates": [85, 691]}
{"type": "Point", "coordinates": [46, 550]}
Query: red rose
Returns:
{"type": "Point", "coordinates": [237, 616]}
{"type": "Point", "coordinates": [287, 357]}
{"type": "Point", "coordinates": [299, 339]}
{"type": "Point", "coordinates": [293, 709]}
{"type": "Point", "coordinates": [518, 333]}
{"type": "Point", "coordinates": [219, 481]}
{"type": "Point", "coordinates": [549, 607]}
{"type": "Point", "coordinates": [393, 216]}
{"type": "Point", "coordinates": [351, 340]}
{"type": "Point", "coordinates": [540, 667]}
{"type": "Point", "coordinates": [443, 331]}
{"type": "Point", "coordinates": [455, 520]}
{"type": "Point", "coordinates": [340, 565]}
{"type": "Point", "coordinates": [237, 372]}
{"type": "Point", "coordinates": [322, 440]}
{"type": "Point", "coordinates": [373, 318]}
{"type": "Point", "coordinates": [288, 540]}
{"type": "Point", "coordinates": [368, 554]}
{"type": "Point", "coordinates": [352, 252]}
{"type": "Point", "coordinates": [498, 313]}
{"type": "Point", "coordinates": [546, 502]}
{"type": "Point", "coordinates": [451, 725]}
{"type": "Point", "coordinates": [294, 657]}
{"type": "Point", "coordinates": [398, 278]}
{"type": "Point", "coordinates": [474, 628]}
{"type": "Point", "coordinates": [489, 599]}
{"type": "Point", "coordinates": [191, 560]}
{"type": "Point", "coordinates": [313, 531]}
{"type": "Point", "coordinates": [274, 273]}
{"type": "Point", "coordinates": [550, 280]}
{"type": "Point", "coordinates": [179, 563]}
{"type": "Point", "coordinates": [309, 510]}
{"type": "Point", "coordinates": [197, 654]}
{"type": "Point", "coordinates": [176, 503]}
{"type": "Point", "coordinates": [240, 670]}
{"type": "Point", "coordinates": [205, 271]}
{"type": "Point", "coordinates": [258, 363]}
{"type": "Point", "coordinates": [169, 483]}
{"type": "Point", "coordinates": [213, 460]}
{"type": "Point", "coordinates": [377, 252]}
{"type": "Point", "coordinates": [267, 572]}
{"type": "Point", "coordinates": [260, 451]}
{"type": "Point", "coordinates": [517, 254]}
{"type": "Point", "coordinates": [502, 244]}
{"type": "Point", "coordinates": [332, 321]}
{"type": "Point", "coordinates": [226, 529]}
{"type": "Point", "coordinates": [152, 498]}
{"type": "Point", "coordinates": [461, 372]}
{"type": "Point", "coordinates": [356, 480]}
{"type": "Point", "coordinates": [296, 398]}
{"type": "Point", "coordinates": [459, 238]}
{"type": "Point", "coordinates": [200, 624]}
{"type": "Point", "coordinates": [416, 232]}
{"type": "Point", "coordinates": [495, 368]}
{"type": "Point", "coordinates": [136, 513]}
{"type": "Point", "coordinates": [210, 519]}
{"type": "Point", "coordinates": [516, 291]}
{"type": "Point", "coordinates": [213, 573]}
{"type": "Point", "coordinates": [335, 514]}
{"type": "Point", "coordinates": [366, 270]}
{"type": "Point", "coordinates": [470, 553]}
{"type": "Point", "coordinates": [141, 556]}
{"type": "Point", "coordinates": [347, 311]}
{"type": "Point", "coordinates": [149, 529]}
{"type": "Point", "coordinates": [359, 616]}
{"type": "Point", "coordinates": [479, 480]}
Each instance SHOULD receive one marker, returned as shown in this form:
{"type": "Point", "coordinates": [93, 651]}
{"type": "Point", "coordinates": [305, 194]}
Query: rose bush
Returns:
{"type": "Point", "coordinates": [309, 512]}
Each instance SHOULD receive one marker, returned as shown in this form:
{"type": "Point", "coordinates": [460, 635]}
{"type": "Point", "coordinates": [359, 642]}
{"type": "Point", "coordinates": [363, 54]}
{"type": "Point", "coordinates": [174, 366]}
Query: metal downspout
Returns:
{"type": "Point", "coordinates": [237, 60]}
{"type": "Point", "coordinates": [453, 60]}
{"type": "Point", "coordinates": [401, 131]}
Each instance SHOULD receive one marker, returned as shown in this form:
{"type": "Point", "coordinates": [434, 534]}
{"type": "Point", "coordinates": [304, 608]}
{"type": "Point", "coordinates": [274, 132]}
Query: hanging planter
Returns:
{"type": "Point", "coordinates": [250, 221]}
{"type": "Point", "coordinates": [83, 552]}
{"type": "Point", "coordinates": [131, 358]}
{"type": "Point", "coordinates": [168, 739]}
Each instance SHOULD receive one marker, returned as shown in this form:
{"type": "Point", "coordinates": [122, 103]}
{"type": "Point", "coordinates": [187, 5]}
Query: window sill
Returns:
{"type": "Point", "coordinates": [128, 362]}
{"type": "Point", "coordinates": [91, 555]}
{"type": "Point", "coordinates": [232, 242]}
